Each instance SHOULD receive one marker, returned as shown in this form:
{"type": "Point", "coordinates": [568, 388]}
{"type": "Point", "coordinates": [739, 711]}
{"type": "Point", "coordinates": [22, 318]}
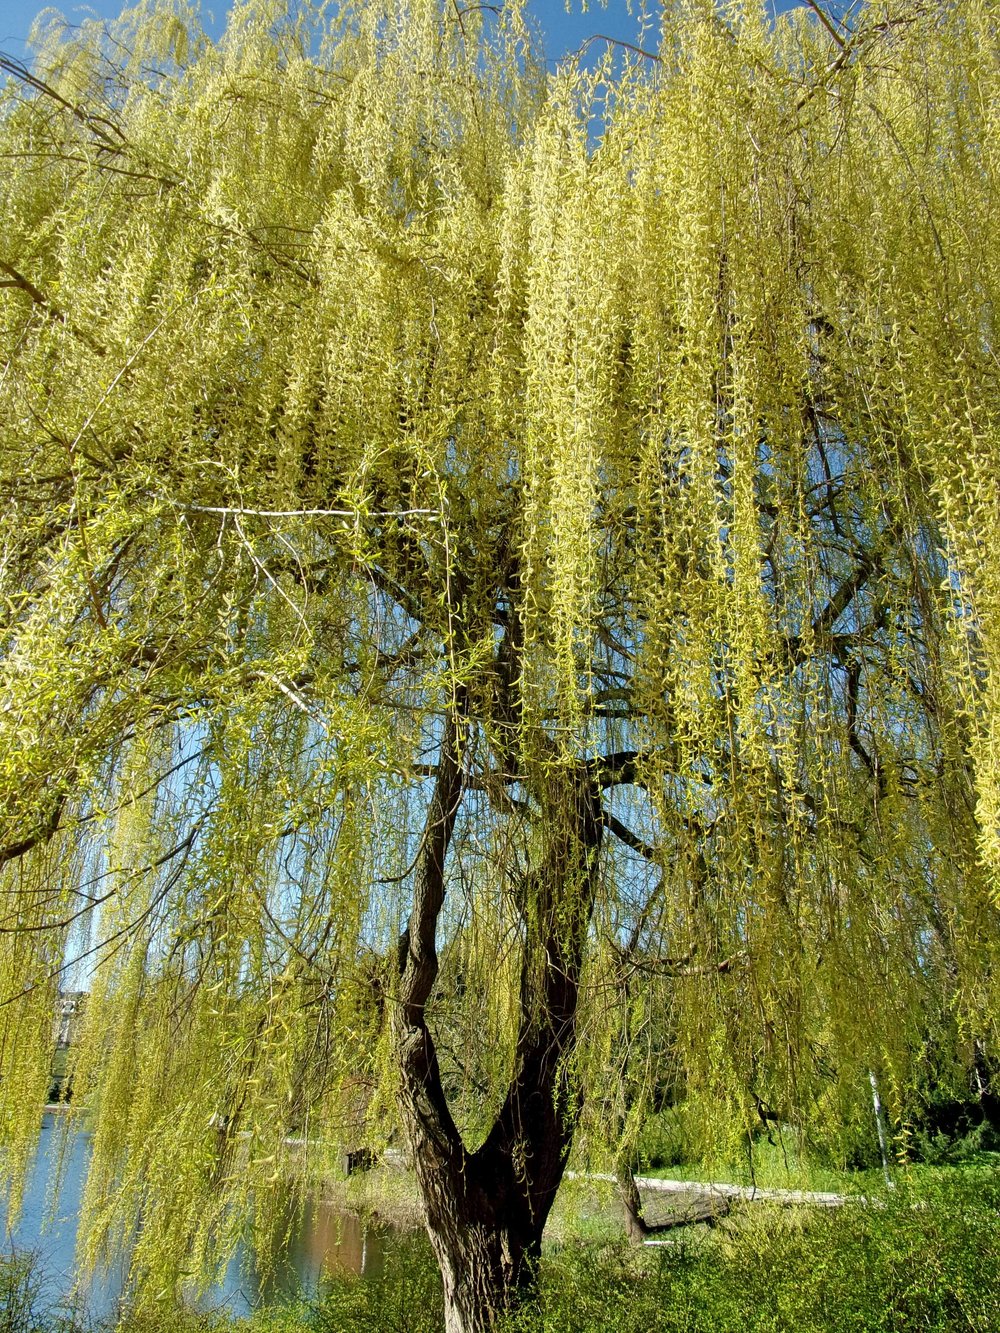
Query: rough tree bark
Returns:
{"type": "Point", "coordinates": [485, 1210]}
{"type": "Point", "coordinates": [638, 1230]}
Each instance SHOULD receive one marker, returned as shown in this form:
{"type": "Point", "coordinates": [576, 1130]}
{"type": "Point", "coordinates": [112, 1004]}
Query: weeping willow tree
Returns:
{"type": "Point", "coordinates": [495, 566]}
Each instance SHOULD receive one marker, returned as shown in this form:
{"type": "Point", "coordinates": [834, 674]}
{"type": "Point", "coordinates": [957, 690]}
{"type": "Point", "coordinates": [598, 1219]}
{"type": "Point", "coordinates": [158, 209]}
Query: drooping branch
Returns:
{"type": "Point", "coordinates": [94, 900]}
{"type": "Point", "coordinates": [110, 135]}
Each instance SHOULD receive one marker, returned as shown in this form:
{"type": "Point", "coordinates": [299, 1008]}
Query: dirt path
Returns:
{"type": "Point", "coordinates": [717, 1189]}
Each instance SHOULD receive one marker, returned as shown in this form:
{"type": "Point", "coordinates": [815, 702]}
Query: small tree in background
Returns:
{"type": "Point", "coordinates": [542, 523]}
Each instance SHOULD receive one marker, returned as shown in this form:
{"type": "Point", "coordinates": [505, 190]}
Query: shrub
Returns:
{"type": "Point", "coordinates": [27, 1304]}
{"type": "Point", "coordinates": [22, 1292]}
{"type": "Point", "coordinates": [406, 1297]}
{"type": "Point", "coordinates": [905, 1263]}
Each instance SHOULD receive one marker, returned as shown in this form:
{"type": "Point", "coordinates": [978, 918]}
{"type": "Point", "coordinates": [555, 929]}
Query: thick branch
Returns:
{"type": "Point", "coordinates": [823, 622]}
{"type": "Point", "coordinates": [684, 966]}
{"type": "Point", "coordinates": [45, 830]}
{"type": "Point", "coordinates": [624, 834]}
{"type": "Point", "coordinates": [418, 955]}
{"type": "Point", "coordinates": [871, 762]}
{"type": "Point", "coordinates": [538, 1117]}
{"type": "Point", "coordinates": [619, 769]}
{"type": "Point", "coordinates": [18, 281]}
{"type": "Point", "coordinates": [845, 594]}
{"type": "Point", "coordinates": [438, 1151]}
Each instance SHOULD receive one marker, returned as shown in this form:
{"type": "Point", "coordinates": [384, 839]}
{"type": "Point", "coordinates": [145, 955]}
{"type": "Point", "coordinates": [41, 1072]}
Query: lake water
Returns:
{"type": "Point", "coordinates": [327, 1241]}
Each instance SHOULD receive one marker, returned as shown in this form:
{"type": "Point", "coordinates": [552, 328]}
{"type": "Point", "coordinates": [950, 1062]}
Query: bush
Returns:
{"type": "Point", "coordinates": [22, 1293]}
{"type": "Point", "coordinates": [908, 1262]}
{"type": "Point", "coordinates": [406, 1297]}
{"type": "Point", "coordinates": [950, 1131]}
{"type": "Point", "coordinates": [174, 1320]}
{"type": "Point", "coordinates": [27, 1304]}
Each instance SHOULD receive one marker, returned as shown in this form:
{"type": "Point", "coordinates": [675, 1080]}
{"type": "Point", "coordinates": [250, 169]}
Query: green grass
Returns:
{"type": "Point", "coordinates": [920, 1261]}
{"type": "Point", "coordinates": [920, 1257]}
{"type": "Point", "coordinates": [771, 1170]}
{"type": "Point", "coordinates": [785, 1162]}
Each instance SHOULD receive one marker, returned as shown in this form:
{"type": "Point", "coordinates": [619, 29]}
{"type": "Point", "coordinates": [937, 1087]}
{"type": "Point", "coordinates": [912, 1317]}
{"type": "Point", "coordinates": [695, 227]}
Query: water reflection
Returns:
{"type": "Point", "coordinates": [323, 1243]}
{"type": "Point", "coordinates": [323, 1240]}
{"type": "Point", "coordinates": [338, 1243]}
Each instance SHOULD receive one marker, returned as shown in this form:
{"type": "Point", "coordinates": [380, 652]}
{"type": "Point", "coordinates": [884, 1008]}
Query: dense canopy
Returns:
{"type": "Point", "coordinates": [500, 593]}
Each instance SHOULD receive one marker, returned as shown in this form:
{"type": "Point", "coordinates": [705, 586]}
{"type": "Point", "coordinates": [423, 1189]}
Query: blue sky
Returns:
{"type": "Point", "coordinates": [563, 32]}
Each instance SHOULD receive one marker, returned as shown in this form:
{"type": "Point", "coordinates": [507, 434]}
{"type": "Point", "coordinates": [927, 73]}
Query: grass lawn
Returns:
{"type": "Point", "coordinates": [923, 1256]}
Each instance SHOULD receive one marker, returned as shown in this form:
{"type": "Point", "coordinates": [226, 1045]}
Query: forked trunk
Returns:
{"type": "Point", "coordinates": [485, 1210]}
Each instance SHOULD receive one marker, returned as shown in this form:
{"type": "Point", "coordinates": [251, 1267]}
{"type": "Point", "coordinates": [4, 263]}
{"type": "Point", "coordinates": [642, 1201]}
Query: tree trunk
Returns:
{"type": "Point", "coordinates": [477, 1268]}
{"type": "Point", "coordinates": [486, 1241]}
{"type": "Point", "coordinates": [485, 1211]}
{"type": "Point", "coordinates": [635, 1223]}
